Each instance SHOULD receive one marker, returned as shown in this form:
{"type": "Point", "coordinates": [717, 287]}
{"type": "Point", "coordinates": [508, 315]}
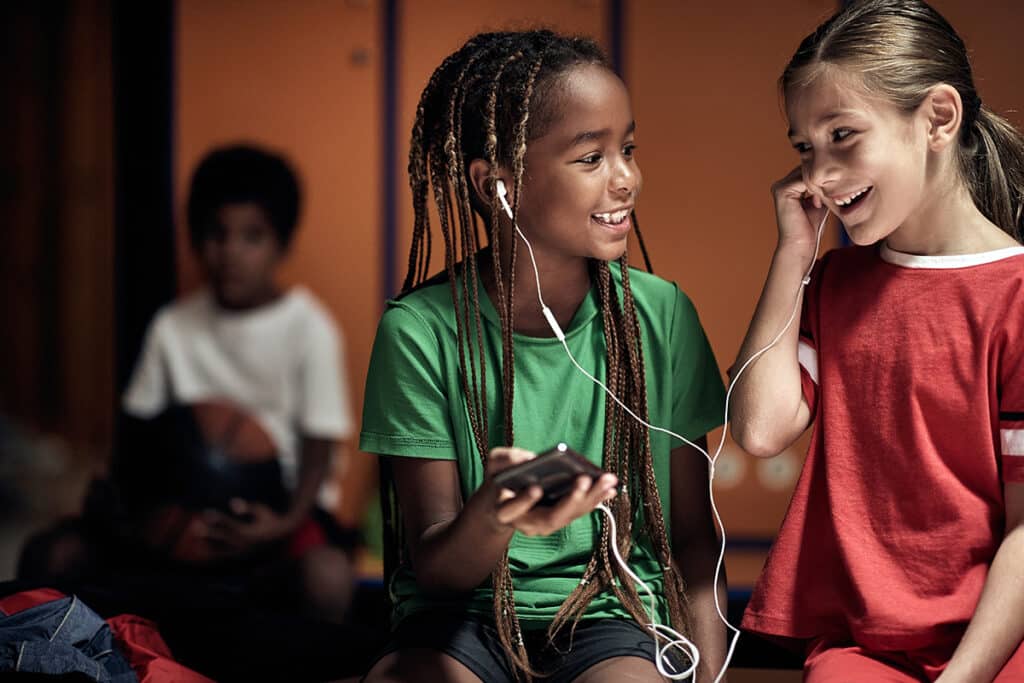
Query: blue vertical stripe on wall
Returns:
{"type": "Point", "coordinates": [616, 30]}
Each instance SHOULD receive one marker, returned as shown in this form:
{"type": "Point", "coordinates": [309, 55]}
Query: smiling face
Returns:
{"type": "Point", "coordinates": [864, 157]}
{"type": "Point", "coordinates": [581, 179]}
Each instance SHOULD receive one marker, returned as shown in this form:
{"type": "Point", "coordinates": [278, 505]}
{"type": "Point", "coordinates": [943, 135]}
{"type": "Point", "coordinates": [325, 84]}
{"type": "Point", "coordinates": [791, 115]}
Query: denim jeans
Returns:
{"type": "Point", "coordinates": [62, 637]}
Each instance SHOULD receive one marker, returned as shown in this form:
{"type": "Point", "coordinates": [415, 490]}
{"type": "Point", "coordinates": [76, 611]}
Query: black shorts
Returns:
{"type": "Point", "coordinates": [473, 641]}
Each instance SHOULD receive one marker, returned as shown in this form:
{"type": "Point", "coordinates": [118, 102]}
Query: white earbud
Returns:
{"type": "Point", "coordinates": [502, 194]}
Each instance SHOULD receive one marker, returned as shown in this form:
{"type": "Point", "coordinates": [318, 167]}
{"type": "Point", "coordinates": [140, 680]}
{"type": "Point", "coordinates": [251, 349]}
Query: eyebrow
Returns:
{"type": "Point", "coordinates": [591, 135]}
{"type": "Point", "coordinates": [825, 119]}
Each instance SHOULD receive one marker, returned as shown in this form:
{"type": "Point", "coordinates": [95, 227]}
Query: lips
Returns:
{"type": "Point", "coordinates": [847, 201]}
{"type": "Point", "coordinates": [617, 219]}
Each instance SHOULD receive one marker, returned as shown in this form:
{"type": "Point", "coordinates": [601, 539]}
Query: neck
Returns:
{"type": "Point", "coordinates": [261, 297]}
{"type": "Point", "coordinates": [946, 223]}
{"type": "Point", "coordinates": [564, 282]}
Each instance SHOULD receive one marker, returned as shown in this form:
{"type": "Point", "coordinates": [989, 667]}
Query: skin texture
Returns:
{"type": "Point", "coordinates": [582, 165]}
{"type": "Point", "coordinates": [849, 140]}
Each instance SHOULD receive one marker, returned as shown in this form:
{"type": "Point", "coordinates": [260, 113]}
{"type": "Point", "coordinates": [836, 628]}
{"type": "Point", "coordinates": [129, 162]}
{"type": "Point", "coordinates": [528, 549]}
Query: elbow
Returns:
{"type": "Point", "coordinates": [760, 443]}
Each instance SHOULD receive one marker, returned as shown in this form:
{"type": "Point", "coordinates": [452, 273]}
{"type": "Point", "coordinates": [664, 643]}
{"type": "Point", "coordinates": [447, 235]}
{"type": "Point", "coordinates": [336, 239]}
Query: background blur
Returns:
{"type": "Point", "coordinates": [109, 104]}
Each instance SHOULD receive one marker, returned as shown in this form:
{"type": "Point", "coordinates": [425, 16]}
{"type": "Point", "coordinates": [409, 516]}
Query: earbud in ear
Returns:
{"type": "Point", "coordinates": [502, 194]}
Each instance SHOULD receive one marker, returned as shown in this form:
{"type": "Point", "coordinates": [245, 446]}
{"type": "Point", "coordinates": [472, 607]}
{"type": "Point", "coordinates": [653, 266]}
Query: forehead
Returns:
{"type": "Point", "coordinates": [588, 97]}
{"type": "Point", "coordinates": [242, 212]}
{"type": "Point", "coordinates": [830, 94]}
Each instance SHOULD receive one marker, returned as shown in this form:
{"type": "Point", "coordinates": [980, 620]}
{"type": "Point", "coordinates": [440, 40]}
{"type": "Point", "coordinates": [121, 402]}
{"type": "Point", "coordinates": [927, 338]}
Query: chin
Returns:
{"type": "Point", "coordinates": [866, 236]}
{"type": "Point", "coordinates": [232, 298]}
{"type": "Point", "coordinates": [612, 252]}
{"type": "Point", "coordinates": [862, 240]}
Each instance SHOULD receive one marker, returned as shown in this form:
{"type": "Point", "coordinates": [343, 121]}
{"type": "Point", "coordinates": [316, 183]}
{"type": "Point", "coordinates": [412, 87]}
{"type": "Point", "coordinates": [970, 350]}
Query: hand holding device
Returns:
{"type": "Point", "coordinates": [555, 471]}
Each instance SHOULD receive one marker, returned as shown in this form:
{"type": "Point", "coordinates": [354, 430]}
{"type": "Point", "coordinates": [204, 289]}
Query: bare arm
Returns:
{"type": "Point", "coordinates": [695, 548]}
{"type": "Point", "coordinates": [257, 524]}
{"type": "Point", "coordinates": [768, 408]}
{"type": "Point", "coordinates": [454, 546]}
{"type": "Point", "coordinates": [314, 464]}
{"type": "Point", "coordinates": [997, 627]}
{"type": "Point", "coordinates": [450, 551]}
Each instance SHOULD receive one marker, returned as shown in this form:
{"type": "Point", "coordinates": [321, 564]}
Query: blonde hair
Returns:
{"type": "Point", "coordinates": [900, 50]}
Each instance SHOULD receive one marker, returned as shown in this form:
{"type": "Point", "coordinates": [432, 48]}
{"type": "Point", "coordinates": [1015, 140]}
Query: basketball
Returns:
{"type": "Point", "coordinates": [214, 451]}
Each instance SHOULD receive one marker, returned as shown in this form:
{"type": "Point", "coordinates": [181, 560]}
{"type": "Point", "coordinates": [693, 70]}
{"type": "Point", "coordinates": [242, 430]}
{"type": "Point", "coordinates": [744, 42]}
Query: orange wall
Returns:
{"type": "Point", "coordinates": [302, 78]}
{"type": "Point", "coordinates": [305, 78]}
{"type": "Point", "coordinates": [711, 138]}
{"type": "Point", "coordinates": [991, 31]}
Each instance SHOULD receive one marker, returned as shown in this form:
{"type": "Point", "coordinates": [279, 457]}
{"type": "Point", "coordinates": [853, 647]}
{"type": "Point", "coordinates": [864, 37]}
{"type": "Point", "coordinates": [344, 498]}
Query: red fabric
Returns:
{"type": "Point", "coordinates": [899, 509]}
{"type": "Point", "coordinates": [830, 662]}
{"type": "Point", "coordinates": [309, 535]}
{"type": "Point", "coordinates": [140, 642]}
{"type": "Point", "coordinates": [18, 602]}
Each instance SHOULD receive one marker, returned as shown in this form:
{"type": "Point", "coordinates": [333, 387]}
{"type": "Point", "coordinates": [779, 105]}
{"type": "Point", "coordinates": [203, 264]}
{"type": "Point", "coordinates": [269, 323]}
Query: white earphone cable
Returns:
{"type": "Point", "coordinates": [673, 638]}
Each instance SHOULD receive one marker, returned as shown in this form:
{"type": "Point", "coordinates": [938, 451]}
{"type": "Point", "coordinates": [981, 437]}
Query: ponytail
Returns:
{"type": "Point", "coordinates": [992, 161]}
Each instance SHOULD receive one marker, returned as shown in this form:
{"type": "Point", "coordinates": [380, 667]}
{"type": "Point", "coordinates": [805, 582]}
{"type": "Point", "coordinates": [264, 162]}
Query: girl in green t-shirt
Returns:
{"type": "Point", "coordinates": [465, 365]}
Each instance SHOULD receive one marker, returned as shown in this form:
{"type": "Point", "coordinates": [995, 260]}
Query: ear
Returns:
{"type": "Point", "coordinates": [479, 177]}
{"type": "Point", "coordinates": [944, 110]}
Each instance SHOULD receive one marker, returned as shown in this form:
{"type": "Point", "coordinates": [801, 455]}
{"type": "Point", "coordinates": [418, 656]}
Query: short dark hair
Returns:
{"type": "Point", "coordinates": [242, 173]}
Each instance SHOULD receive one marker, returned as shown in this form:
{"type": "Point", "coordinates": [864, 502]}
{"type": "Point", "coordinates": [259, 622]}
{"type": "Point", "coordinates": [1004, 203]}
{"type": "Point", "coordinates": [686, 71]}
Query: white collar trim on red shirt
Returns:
{"type": "Point", "coordinates": [900, 258]}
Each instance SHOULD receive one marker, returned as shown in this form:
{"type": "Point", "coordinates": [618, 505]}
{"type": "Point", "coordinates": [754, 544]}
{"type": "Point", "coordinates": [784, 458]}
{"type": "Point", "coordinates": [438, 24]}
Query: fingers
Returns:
{"type": "Point", "coordinates": [513, 506]}
{"type": "Point", "coordinates": [503, 457]}
{"type": "Point", "coordinates": [792, 183]}
{"type": "Point", "coordinates": [585, 496]}
{"type": "Point", "coordinates": [221, 529]}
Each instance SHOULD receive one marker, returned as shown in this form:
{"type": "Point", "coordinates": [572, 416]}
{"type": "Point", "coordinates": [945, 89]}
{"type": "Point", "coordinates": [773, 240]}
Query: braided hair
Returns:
{"type": "Point", "coordinates": [487, 101]}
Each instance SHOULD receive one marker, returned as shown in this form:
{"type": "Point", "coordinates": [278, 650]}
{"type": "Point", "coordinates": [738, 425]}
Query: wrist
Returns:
{"type": "Point", "coordinates": [482, 510]}
{"type": "Point", "coordinates": [795, 248]}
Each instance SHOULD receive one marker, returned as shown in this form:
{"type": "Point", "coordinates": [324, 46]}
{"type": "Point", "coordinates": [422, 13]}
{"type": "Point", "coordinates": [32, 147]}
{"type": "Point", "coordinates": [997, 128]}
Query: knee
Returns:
{"type": "Point", "coordinates": [327, 582]}
{"type": "Point", "coordinates": [57, 554]}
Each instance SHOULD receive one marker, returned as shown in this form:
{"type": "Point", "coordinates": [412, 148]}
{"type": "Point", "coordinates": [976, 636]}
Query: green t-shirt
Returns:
{"type": "Point", "coordinates": [414, 407]}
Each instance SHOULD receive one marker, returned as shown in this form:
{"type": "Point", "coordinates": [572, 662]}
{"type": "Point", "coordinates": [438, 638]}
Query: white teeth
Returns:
{"type": "Point", "coordinates": [612, 218]}
{"type": "Point", "coordinates": [849, 200]}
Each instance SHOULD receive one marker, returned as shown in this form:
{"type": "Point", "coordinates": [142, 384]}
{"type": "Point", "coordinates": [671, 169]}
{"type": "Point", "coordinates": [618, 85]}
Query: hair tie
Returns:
{"type": "Point", "coordinates": [975, 109]}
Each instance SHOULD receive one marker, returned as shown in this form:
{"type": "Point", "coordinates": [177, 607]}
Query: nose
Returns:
{"type": "Point", "coordinates": [625, 179]}
{"type": "Point", "coordinates": [820, 171]}
{"type": "Point", "coordinates": [231, 245]}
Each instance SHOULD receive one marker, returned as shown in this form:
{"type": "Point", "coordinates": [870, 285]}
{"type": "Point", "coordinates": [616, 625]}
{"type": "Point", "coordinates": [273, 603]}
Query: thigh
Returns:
{"type": "Point", "coordinates": [604, 650]}
{"type": "Point", "coordinates": [621, 669]}
{"type": "Point", "coordinates": [447, 646]}
{"type": "Point", "coordinates": [419, 664]}
{"type": "Point", "coordinates": [852, 664]}
{"type": "Point", "coordinates": [326, 582]}
{"type": "Point", "coordinates": [326, 570]}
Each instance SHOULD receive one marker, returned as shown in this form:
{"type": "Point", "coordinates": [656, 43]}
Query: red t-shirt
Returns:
{"type": "Point", "coordinates": [912, 367]}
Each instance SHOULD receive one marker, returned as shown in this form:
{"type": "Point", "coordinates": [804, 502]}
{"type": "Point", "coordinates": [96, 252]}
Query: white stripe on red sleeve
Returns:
{"type": "Point", "coordinates": [808, 358]}
{"type": "Point", "coordinates": [1011, 432]}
